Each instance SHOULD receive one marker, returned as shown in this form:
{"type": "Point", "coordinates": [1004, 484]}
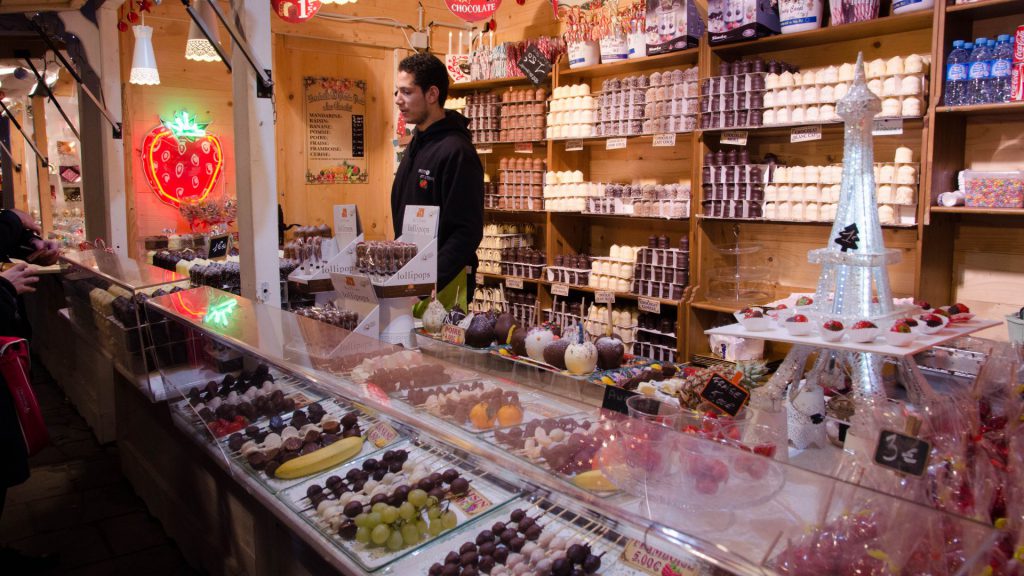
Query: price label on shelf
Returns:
{"type": "Point", "coordinates": [560, 289]}
{"type": "Point", "coordinates": [604, 297]}
{"type": "Point", "coordinates": [664, 140]}
{"type": "Point", "coordinates": [615, 144]}
{"type": "Point", "coordinates": [452, 334]}
{"type": "Point", "coordinates": [479, 279]}
{"type": "Point", "coordinates": [728, 396]}
{"type": "Point", "coordinates": [524, 147]}
{"type": "Point", "coordinates": [218, 246]}
{"type": "Point", "coordinates": [615, 399]}
{"type": "Point", "coordinates": [902, 453]}
{"type": "Point", "coordinates": [534, 65]}
{"type": "Point", "coordinates": [887, 127]}
{"type": "Point", "coordinates": [734, 138]}
{"type": "Point", "coordinates": [649, 305]}
{"type": "Point", "coordinates": [513, 282]}
{"type": "Point", "coordinates": [573, 145]}
{"type": "Point", "coordinates": [805, 134]}
{"type": "Point", "coordinates": [484, 149]}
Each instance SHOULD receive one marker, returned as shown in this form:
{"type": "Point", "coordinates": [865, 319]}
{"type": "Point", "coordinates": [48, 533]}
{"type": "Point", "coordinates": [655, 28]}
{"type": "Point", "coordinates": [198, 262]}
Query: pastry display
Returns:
{"type": "Point", "coordinates": [659, 103]}
{"type": "Point", "coordinates": [520, 187]}
{"type": "Point", "coordinates": [656, 336]}
{"type": "Point", "coordinates": [402, 370]}
{"type": "Point", "coordinates": [572, 269]}
{"type": "Point", "coordinates": [476, 406]}
{"type": "Point", "coordinates": [662, 272]}
{"type": "Point", "coordinates": [567, 446]}
{"type": "Point", "coordinates": [236, 402]}
{"type": "Point", "coordinates": [482, 112]}
{"type": "Point", "coordinates": [669, 200]}
{"type": "Point", "coordinates": [733, 186]}
{"type": "Point", "coordinates": [499, 238]}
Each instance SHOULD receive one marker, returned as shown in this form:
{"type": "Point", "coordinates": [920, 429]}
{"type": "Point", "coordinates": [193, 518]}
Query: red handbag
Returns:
{"type": "Point", "coordinates": [14, 367]}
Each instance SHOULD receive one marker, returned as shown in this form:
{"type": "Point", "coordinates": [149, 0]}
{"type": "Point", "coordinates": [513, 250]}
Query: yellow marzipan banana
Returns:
{"type": "Point", "coordinates": [594, 480]}
{"type": "Point", "coordinates": [322, 459]}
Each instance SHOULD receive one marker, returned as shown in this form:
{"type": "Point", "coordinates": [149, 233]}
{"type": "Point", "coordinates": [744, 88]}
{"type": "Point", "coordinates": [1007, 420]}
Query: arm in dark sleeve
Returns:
{"type": "Point", "coordinates": [462, 214]}
{"type": "Point", "coordinates": [11, 232]}
{"type": "Point", "coordinates": [9, 312]}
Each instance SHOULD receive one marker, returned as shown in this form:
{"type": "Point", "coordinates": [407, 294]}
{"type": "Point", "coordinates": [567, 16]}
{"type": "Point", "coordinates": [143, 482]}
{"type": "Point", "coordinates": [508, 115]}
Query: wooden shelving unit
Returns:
{"type": "Point", "coordinates": [943, 142]}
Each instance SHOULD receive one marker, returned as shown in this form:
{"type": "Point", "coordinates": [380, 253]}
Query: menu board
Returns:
{"type": "Point", "coordinates": [335, 111]}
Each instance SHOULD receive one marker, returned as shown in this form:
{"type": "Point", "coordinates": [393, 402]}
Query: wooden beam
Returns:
{"type": "Point", "coordinates": [42, 172]}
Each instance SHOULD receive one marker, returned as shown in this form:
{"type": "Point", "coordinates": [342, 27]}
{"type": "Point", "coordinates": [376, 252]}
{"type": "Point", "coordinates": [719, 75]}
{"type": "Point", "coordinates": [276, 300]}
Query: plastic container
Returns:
{"type": "Point", "coordinates": [801, 15]}
{"type": "Point", "coordinates": [583, 54]}
{"type": "Point", "coordinates": [1015, 325]}
{"type": "Point", "coordinates": [905, 6]}
{"type": "Point", "coordinates": [992, 189]}
{"type": "Point", "coordinates": [613, 49]}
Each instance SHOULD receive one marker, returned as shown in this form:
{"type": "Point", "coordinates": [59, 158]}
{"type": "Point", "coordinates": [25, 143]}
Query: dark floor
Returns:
{"type": "Point", "coordinates": [78, 505]}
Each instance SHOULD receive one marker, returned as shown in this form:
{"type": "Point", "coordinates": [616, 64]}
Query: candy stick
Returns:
{"type": "Point", "coordinates": [449, 42]}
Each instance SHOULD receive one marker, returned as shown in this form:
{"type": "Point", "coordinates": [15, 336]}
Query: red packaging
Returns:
{"type": "Point", "coordinates": [1018, 44]}
{"type": "Point", "coordinates": [1017, 81]}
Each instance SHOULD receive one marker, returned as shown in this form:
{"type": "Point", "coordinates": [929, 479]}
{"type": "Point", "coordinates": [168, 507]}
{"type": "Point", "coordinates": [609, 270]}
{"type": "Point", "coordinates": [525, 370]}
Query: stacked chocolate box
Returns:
{"type": "Point", "coordinates": [656, 337]}
{"type": "Point", "coordinates": [522, 304]}
{"type": "Point", "coordinates": [647, 200]}
{"type": "Point", "coordinates": [383, 258]}
{"type": "Point", "coordinates": [522, 261]}
{"type": "Point", "coordinates": [733, 187]}
{"type": "Point", "coordinates": [522, 115]}
{"type": "Point", "coordinates": [735, 98]}
{"type": "Point", "coordinates": [482, 111]}
{"type": "Point", "coordinates": [520, 184]}
{"type": "Point", "coordinates": [661, 271]}
{"type": "Point", "coordinates": [571, 269]}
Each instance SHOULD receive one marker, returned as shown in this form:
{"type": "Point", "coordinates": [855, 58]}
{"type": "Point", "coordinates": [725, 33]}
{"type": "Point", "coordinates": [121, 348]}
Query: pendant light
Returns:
{"type": "Point", "coordinates": [339, 2]}
{"type": "Point", "coordinates": [198, 48]}
{"type": "Point", "coordinates": [144, 70]}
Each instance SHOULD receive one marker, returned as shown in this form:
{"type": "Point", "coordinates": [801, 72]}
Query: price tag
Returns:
{"type": "Point", "coordinates": [560, 289]}
{"type": "Point", "coordinates": [479, 279]}
{"type": "Point", "coordinates": [664, 140]}
{"type": "Point", "coordinates": [524, 147]}
{"type": "Point", "coordinates": [218, 246]}
{"type": "Point", "coordinates": [887, 127]}
{"type": "Point", "coordinates": [615, 399]}
{"type": "Point", "coordinates": [902, 453]}
{"type": "Point", "coordinates": [615, 144]}
{"type": "Point", "coordinates": [573, 145]}
{"type": "Point", "coordinates": [484, 149]}
{"type": "Point", "coordinates": [656, 562]}
{"type": "Point", "coordinates": [604, 297]}
{"type": "Point", "coordinates": [534, 65]}
{"type": "Point", "coordinates": [734, 138]}
{"type": "Point", "coordinates": [649, 305]}
{"type": "Point", "coordinates": [472, 502]}
{"type": "Point", "coordinates": [513, 282]}
{"type": "Point", "coordinates": [805, 134]}
{"type": "Point", "coordinates": [727, 396]}
{"type": "Point", "coordinates": [452, 334]}
{"type": "Point", "coordinates": [381, 434]}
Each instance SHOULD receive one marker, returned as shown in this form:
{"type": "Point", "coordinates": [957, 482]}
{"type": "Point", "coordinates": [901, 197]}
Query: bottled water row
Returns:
{"type": "Point", "coordinates": [979, 72]}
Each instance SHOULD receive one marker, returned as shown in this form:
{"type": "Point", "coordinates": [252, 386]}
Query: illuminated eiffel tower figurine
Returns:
{"type": "Point", "coordinates": [853, 286]}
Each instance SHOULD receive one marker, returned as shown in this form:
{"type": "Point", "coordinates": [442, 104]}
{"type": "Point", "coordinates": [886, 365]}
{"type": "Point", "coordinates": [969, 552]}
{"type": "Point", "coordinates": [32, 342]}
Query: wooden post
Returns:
{"type": "Point", "coordinates": [255, 162]}
{"type": "Point", "coordinates": [42, 172]}
{"type": "Point", "coordinates": [114, 226]}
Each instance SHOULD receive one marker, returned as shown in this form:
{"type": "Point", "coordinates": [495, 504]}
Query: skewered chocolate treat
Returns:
{"type": "Point", "coordinates": [330, 314]}
{"type": "Point", "coordinates": [384, 258]}
{"type": "Point", "coordinates": [481, 405]}
{"type": "Point", "coordinates": [306, 432]}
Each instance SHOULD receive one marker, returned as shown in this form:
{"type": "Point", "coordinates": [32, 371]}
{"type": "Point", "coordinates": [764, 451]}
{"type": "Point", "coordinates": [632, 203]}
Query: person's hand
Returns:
{"type": "Point", "coordinates": [21, 277]}
{"type": "Point", "coordinates": [27, 221]}
{"type": "Point", "coordinates": [46, 254]}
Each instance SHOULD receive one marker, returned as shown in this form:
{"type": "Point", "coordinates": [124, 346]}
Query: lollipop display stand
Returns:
{"type": "Point", "coordinates": [337, 255]}
{"type": "Point", "coordinates": [853, 287]}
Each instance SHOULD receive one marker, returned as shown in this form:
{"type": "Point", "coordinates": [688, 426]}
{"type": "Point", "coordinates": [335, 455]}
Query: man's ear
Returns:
{"type": "Point", "coordinates": [433, 94]}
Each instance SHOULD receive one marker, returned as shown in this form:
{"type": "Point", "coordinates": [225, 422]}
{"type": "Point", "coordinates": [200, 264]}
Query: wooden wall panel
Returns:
{"type": "Point", "coordinates": [987, 269]}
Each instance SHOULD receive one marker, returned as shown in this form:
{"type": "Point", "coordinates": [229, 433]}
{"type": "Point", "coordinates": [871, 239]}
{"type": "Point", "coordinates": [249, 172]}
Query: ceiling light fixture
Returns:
{"type": "Point", "coordinates": [144, 70]}
{"type": "Point", "coordinates": [199, 48]}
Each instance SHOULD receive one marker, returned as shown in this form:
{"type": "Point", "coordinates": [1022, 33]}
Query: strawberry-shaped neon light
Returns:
{"type": "Point", "coordinates": [181, 160]}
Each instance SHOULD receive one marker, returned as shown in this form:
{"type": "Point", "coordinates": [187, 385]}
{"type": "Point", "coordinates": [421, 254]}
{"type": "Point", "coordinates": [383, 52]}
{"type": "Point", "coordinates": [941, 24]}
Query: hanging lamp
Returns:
{"type": "Point", "coordinates": [144, 70]}
{"type": "Point", "coordinates": [199, 48]}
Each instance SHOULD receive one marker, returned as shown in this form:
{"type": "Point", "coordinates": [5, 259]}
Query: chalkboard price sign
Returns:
{"type": "Point", "coordinates": [535, 65]}
{"type": "Point", "coordinates": [218, 246]}
{"type": "Point", "coordinates": [615, 399]}
{"type": "Point", "coordinates": [902, 453]}
{"type": "Point", "coordinates": [725, 395]}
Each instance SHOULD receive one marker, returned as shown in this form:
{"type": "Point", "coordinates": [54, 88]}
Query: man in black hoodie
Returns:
{"type": "Point", "coordinates": [440, 168]}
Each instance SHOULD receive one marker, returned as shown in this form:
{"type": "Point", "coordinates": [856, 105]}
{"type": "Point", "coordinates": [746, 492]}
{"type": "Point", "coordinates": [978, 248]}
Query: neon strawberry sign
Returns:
{"type": "Point", "coordinates": [182, 161]}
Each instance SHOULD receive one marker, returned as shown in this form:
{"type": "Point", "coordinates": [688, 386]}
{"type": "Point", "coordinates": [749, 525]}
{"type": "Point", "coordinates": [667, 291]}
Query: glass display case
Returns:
{"type": "Point", "coordinates": [396, 461]}
{"type": "Point", "coordinates": [104, 294]}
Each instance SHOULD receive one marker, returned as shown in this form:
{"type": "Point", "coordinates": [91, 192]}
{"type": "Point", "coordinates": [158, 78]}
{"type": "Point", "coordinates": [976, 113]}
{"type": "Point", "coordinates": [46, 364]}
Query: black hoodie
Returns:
{"type": "Point", "coordinates": [441, 168]}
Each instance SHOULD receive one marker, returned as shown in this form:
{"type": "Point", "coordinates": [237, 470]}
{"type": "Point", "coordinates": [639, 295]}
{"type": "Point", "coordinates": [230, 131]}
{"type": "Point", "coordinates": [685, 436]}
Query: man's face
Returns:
{"type": "Point", "coordinates": [412, 100]}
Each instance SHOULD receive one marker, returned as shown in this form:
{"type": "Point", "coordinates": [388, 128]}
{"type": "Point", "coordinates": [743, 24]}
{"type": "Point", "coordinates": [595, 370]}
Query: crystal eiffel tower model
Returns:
{"type": "Point", "coordinates": [853, 286]}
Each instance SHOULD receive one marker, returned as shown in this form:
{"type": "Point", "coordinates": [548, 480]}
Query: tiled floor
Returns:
{"type": "Point", "coordinates": [78, 505]}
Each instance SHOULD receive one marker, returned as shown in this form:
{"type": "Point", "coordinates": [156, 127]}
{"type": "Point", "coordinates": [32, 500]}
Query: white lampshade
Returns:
{"type": "Point", "coordinates": [144, 70]}
{"type": "Point", "coordinates": [198, 48]}
{"type": "Point", "coordinates": [337, 1]}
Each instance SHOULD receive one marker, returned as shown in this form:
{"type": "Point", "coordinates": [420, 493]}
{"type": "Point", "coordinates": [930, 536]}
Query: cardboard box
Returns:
{"type": "Point", "coordinates": [672, 25]}
{"type": "Point", "coordinates": [739, 20]}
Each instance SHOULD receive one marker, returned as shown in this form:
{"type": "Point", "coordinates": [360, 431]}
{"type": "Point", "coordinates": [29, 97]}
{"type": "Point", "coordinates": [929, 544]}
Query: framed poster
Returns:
{"type": "Point", "coordinates": [335, 113]}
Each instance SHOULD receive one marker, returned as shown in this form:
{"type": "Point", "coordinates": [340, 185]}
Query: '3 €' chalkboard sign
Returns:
{"type": "Point", "coordinates": [218, 246]}
{"type": "Point", "coordinates": [902, 453]}
{"type": "Point", "coordinates": [535, 65]}
{"type": "Point", "coordinates": [725, 395]}
{"type": "Point", "coordinates": [615, 399]}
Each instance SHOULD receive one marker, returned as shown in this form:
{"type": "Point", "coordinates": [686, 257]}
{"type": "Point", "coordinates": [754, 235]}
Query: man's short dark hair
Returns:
{"type": "Point", "coordinates": [427, 71]}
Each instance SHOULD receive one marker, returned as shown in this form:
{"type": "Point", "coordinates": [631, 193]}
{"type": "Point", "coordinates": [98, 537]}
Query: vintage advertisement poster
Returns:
{"type": "Point", "coordinates": [335, 110]}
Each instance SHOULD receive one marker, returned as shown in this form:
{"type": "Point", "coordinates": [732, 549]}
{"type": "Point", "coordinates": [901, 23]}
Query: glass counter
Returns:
{"type": "Point", "coordinates": [335, 433]}
{"type": "Point", "coordinates": [104, 294]}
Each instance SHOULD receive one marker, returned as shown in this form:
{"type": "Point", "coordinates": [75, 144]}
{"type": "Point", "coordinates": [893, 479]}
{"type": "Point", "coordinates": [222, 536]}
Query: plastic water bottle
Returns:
{"type": "Point", "coordinates": [1002, 66]}
{"type": "Point", "coordinates": [979, 86]}
{"type": "Point", "coordinates": [956, 74]}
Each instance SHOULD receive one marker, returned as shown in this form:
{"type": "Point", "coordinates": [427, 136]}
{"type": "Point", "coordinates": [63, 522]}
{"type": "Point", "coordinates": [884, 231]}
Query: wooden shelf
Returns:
{"type": "Point", "coordinates": [492, 84]}
{"type": "Point", "coordinates": [979, 211]}
{"type": "Point", "coordinates": [788, 222]}
{"type": "Point", "coordinates": [646, 139]}
{"type": "Point", "coordinates": [515, 212]}
{"type": "Point", "coordinates": [712, 307]}
{"type": "Point", "coordinates": [504, 277]}
{"type": "Point", "coordinates": [983, 10]}
{"type": "Point", "coordinates": [829, 35]}
{"type": "Point", "coordinates": [679, 58]}
{"type": "Point", "coordinates": [978, 110]}
{"type": "Point", "coordinates": [587, 289]}
{"type": "Point", "coordinates": [625, 218]}
{"type": "Point", "coordinates": [831, 129]}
